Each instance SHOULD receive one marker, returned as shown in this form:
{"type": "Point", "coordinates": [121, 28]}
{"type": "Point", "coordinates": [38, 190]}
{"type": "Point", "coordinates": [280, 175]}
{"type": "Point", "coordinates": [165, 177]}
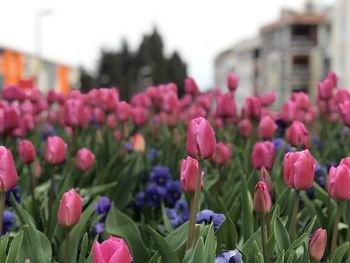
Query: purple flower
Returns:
{"type": "Point", "coordinates": [174, 218]}
{"type": "Point", "coordinates": [182, 209]}
{"type": "Point", "coordinates": [279, 143]}
{"type": "Point", "coordinates": [179, 214]}
{"type": "Point", "coordinates": [128, 146]}
{"type": "Point", "coordinates": [207, 217]}
{"type": "Point", "coordinates": [102, 207]}
{"type": "Point", "coordinates": [160, 175]}
{"type": "Point", "coordinates": [232, 256]}
{"type": "Point", "coordinates": [98, 228]}
{"type": "Point", "coordinates": [152, 154]}
{"type": "Point", "coordinates": [173, 192]}
{"type": "Point", "coordinates": [139, 200]}
{"type": "Point", "coordinates": [16, 195]}
{"type": "Point", "coordinates": [154, 195]}
{"type": "Point", "coordinates": [8, 221]}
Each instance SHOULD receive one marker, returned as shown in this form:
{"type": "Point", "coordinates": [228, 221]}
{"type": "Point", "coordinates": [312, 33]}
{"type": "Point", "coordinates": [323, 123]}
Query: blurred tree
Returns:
{"type": "Point", "coordinates": [134, 71]}
{"type": "Point", "coordinates": [87, 81]}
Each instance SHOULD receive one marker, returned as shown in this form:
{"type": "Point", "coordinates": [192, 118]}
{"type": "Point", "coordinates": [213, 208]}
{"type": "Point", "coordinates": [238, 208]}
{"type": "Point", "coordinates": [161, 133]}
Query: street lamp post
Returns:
{"type": "Point", "coordinates": [38, 34]}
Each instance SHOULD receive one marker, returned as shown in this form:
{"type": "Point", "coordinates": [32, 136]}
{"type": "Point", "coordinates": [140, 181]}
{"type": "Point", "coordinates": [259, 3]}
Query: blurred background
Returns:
{"type": "Point", "coordinates": [276, 45]}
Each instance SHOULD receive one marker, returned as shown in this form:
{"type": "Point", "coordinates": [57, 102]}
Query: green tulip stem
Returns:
{"type": "Point", "coordinates": [264, 237]}
{"type": "Point", "coordinates": [268, 225]}
{"type": "Point", "coordinates": [348, 230]}
{"type": "Point", "coordinates": [293, 227]}
{"type": "Point", "coordinates": [32, 190]}
{"type": "Point", "coordinates": [194, 206]}
{"type": "Point", "coordinates": [2, 206]}
{"type": "Point", "coordinates": [66, 245]}
{"type": "Point", "coordinates": [51, 193]}
{"type": "Point", "coordinates": [335, 230]}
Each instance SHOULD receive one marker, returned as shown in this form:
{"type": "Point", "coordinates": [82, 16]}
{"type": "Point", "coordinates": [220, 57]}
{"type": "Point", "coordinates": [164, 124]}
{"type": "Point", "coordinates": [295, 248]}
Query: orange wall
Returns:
{"type": "Point", "coordinates": [12, 67]}
{"type": "Point", "coordinates": [63, 79]}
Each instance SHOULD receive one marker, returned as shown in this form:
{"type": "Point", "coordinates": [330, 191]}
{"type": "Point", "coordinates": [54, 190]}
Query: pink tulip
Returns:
{"type": "Point", "coordinates": [107, 98]}
{"type": "Point", "coordinates": [301, 100]}
{"type": "Point", "coordinates": [325, 89]}
{"type": "Point", "coordinates": [267, 128]}
{"type": "Point", "coordinates": [339, 182]}
{"type": "Point", "coordinates": [289, 111]}
{"type": "Point", "coordinates": [85, 159]}
{"type": "Point", "coordinates": [245, 128]}
{"type": "Point", "coordinates": [70, 208]}
{"type": "Point", "coordinates": [112, 250]}
{"type": "Point", "coordinates": [139, 116]}
{"type": "Point", "coordinates": [297, 135]}
{"type": "Point", "coordinates": [345, 112]}
{"type": "Point", "coordinates": [263, 155]}
{"type": "Point", "coordinates": [26, 151]}
{"type": "Point", "coordinates": [123, 111]}
{"type": "Point", "coordinates": [99, 115]}
{"type": "Point", "coordinates": [265, 177]}
{"type": "Point", "coordinates": [189, 172]}
{"type": "Point", "coordinates": [56, 150]}
{"type": "Point", "coordinates": [191, 86]}
{"type": "Point", "coordinates": [345, 161]}
{"type": "Point", "coordinates": [170, 102]}
{"type": "Point", "coordinates": [11, 93]}
{"type": "Point", "coordinates": [232, 82]}
{"type": "Point", "coordinates": [252, 108]}
{"type": "Point", "coordinates": [222, 154]}
{"type": "Point", "coordinates": [317, 244]}
{"type": "Point", "coordinates": [268, 98]}
{"type": "Point", "coordinates": [226, 106]}
{"type": "Point", "coordinates": [262, 199]}
{"type": "Point", "coordinates": [8, 172]}
{"type": "Point", "coordinates": [299, 169]}
{"type": "Point", "coordinates": [74, 112]}
{"type": "Point", "coordinates": [111, 121]}
{"type": "Point", "coordinates": [342, 95]}
{"type": "Point", "coordinates": [138, 143]}
{"type": "Point", "coordinates": [201, 140]}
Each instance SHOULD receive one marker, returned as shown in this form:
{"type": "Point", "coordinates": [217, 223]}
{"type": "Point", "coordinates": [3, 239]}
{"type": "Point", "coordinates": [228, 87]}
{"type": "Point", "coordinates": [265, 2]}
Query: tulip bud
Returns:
{"type": "Point", "coordinates": [70, 207]}
{"type": "Point", "coordinates": [265, 177]}
{"type": "Point", "coordinates": [74, 112]}
{"type": "Point", "coordinates": [222, 153]}
{"type": "Point", "coordinates": [267, 128]}
{"type": "Point", "coordinates": [297, 135]}
{"type": "Point", "coordinates": [232, 82]}
{"type": "Point", "coordinates": [111, 250]}
{"type": "Point", "coordinates": [344, 109]}
{"type": "Point", "coordinates": [189, 172]}
{"type": "Point", "coordinates": [56, 150]}
{"type": "Point", "coordinates": [251, 108]}
{"type": "Point", "coordinates": [85, 159]}
{"type": "Point", "coordinates": [111, 121]}
{"type": "Point", "coordinates": [339, 182]}
{"type": "Point", "coordinates": [262, 199]}
{"type": "Point", "coordinates": [26, 151]}
{"type": "Point", "coordinates": [263, 155]}
{"type": "Point", "coordinates": [299, 170]}
{"type": "Point", "coordinates": [138, 143]}
{"type": "Point", "coordinates": [245, 128]}
{"type": "Point", "coordinates": [226, 106]}
{"type": "Point", "coordinates": [317, 244]}
{"type": "Point", "coordinates": [8, 172]}
{"type": "Point", "coordinates": [268, 98]}
{"type": "Point", "coordinates": [201, 140]}
{"type": "Point", "coordinates": [123, 111]}
{"type": "Point", "coordinates": [139, 116]}
{"type": "Point", "coordinates": [191, 86]}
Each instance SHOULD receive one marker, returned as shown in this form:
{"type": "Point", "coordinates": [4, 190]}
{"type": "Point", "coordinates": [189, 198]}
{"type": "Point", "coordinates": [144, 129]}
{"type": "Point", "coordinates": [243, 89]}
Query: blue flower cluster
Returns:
{"type": "Point", "coordinates": [160, 188]}
{"type": "Point", "coordinates": [8, 221]}
{"type": "Point", "coordinates": [101, 209]}
{"type": "Point", "coordinates": [179, 214]}
{"type": "Point", "coordinates": [232, 256]}
{"type": "Point", "coordinates": [280, 143]}
{"type": "Point", "coordinates": [207, 217]}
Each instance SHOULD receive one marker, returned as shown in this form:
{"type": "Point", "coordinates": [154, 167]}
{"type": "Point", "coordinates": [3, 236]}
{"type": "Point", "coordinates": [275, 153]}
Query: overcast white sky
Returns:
{"type": "Point", "coordinates": [77, 29]}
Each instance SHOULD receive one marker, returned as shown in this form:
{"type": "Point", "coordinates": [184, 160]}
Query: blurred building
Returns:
{"type": "Point", "coordinates": [28, 71]}
{"type": "Point", "coordinates": [341, 41]}
{"type": "Point", "coordinates": [295, 52]}
{"type": "Point", "coordinates": [290, 54]}
{"type": "Point", "coordinates": [243, 59]}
